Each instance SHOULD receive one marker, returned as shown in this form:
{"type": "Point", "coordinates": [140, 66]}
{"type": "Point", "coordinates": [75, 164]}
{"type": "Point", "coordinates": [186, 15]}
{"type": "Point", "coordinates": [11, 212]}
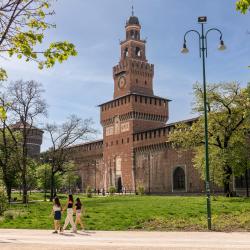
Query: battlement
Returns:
{"type": "Point", "coordinates": [134, 65]}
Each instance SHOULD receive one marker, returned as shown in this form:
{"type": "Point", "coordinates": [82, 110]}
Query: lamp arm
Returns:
{"type": "Point", "coordinates": [213, 29]}
{"type": "Point", "coordinates": [197, 32]}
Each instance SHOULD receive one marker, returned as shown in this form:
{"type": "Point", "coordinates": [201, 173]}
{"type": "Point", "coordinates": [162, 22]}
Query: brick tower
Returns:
{"type": "Point", "coordinates": [134, 108]}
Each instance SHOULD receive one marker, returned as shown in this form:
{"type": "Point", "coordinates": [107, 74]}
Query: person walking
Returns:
{"type": "Point", "coordinates": [79, 209]}
{"type": "Point", "coordinates": [69, 217]}
{"type": "Point", "coordinates": [57, 211]}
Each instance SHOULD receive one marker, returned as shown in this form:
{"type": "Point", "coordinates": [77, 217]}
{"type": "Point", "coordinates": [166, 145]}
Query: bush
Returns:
{"type": "Point", "coordinates": [89, 192]}
{"type": "Point", "coordinates": [141, 190]}
{"type": "Point", "coordinates": [3, 202]}
{"type": "Point", "coordinates": [9, 215]}
{"type": "Point", "coordinates": [112, 190]}
{"type": "Point", "coordinates": [12, 214]}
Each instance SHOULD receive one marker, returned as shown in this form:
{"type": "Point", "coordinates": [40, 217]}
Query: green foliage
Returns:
{"type": "Point", "coordinates": [23, 27]}
{"type": "Point", "coordinates": [3, 201]}
{"type": "Point", "coordinates": [70, 177]}
{"type": "Point", "coordinates": [141, 190]}
{"type": "Point", "coordinates": [3, 76]}
{"type": "Point", "coordinates": [3, 114]}
{"type": "Point", "coordinates": [43, 176]}
{"type": "Point", "coordinates": [228, 121]}
{"type": "Point", "coordinates": [89, 192]}
{"type": "Point", "coordinates": [243, 6]}
{"type": "Point", "coordinates": [112, 190]}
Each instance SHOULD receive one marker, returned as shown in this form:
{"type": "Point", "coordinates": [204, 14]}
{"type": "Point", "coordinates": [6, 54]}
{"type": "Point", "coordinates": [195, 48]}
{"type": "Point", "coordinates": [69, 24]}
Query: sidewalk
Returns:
{"type": "Point", "coordinates": [89, 240]}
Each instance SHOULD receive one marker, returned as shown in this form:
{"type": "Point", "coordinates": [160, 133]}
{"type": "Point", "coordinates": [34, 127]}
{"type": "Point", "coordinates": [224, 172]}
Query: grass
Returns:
{"type": "Point", "coordinates": [162, 213]}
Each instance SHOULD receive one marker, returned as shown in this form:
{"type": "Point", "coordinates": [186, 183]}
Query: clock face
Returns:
{"type": "Point", "coordinates": [122, 82]}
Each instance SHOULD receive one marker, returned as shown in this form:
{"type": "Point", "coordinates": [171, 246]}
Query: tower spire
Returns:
{"type": "Point", "coordinates": [132, 10]}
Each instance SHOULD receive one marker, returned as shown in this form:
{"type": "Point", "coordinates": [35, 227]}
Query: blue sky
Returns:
{"type": "Point", "coordinates": [95, 27]}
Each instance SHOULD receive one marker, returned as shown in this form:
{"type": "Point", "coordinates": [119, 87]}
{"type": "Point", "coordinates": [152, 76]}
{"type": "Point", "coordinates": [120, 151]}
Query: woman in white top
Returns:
{"type": "Point", "coordinates": [69, 218]}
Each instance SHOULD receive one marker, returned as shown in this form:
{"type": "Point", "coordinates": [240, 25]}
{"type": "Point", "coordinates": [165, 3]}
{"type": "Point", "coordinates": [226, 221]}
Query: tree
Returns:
{"type": "Point", "coordinates": [228, 119]}
{"type": "Point", "coordinates": [240, 158]}
{"type": "Point", "coordinates": [70, 177]}
{"type": "Point", "coordinates": [9, 151]}
{"type": "Point", "coordinates": [25, 106]}
{"type": "Point", "coordinates": [43, 176]}
{"type": "Point", "coordinates": [62, 137]}
{"type": "Point", "coordinates": [243, 6]}
{"type": "Point", "coordinates": [22, 27]}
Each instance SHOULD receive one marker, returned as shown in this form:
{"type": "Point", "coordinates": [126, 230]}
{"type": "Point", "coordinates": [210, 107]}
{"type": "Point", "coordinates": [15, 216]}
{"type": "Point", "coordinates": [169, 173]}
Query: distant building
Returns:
{"type": "Point", "coordinates": [34, 138]}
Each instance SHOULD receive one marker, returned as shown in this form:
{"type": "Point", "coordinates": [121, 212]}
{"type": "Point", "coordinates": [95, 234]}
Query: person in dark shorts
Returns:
{"type": "Point", "coordinates": [57, 211]}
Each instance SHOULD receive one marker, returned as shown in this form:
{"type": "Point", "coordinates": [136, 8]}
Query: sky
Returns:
{"type": "Point", "coordinates": [79, 85]}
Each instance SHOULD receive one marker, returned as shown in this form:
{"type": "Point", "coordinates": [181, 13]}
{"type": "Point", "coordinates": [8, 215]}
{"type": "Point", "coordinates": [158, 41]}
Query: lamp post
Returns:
{"type": "Point", "coordinates": [203, 55]}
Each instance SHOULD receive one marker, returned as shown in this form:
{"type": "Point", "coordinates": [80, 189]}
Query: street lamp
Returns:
{"type": "Point", "coordinates": [203, 55]}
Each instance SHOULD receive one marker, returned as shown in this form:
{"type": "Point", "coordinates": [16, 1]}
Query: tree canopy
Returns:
{"type": "Point", "coordinates": [23, 24]}
{"type": "Point", "coordinates": [243, 6]}
{"type": "Point", "coordinates": [228, 122]}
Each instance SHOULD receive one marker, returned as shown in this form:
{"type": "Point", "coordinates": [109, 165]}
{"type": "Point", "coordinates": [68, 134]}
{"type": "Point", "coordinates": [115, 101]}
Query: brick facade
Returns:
{"type": "Point", "coordinates": [34, 138]}
{"type": "Point", "coordinates": [134, 150]}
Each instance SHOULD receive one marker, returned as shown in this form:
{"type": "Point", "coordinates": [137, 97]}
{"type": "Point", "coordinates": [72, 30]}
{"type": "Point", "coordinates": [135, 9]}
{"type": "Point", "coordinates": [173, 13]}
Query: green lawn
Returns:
{"type": "Point", "coordinates": [166, 213]}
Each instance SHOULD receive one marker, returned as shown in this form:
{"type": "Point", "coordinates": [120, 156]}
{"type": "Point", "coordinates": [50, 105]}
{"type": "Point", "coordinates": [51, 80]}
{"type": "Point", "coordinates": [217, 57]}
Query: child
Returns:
{"type": "Point", "coordinates": [69, 218]}
{"type": "Point", "coordinates": [57, 211]}
{"type": "Point", "coordinates": [78, 210]}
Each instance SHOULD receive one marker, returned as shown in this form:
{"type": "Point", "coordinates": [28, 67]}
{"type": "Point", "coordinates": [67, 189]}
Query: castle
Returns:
{"type": "Point", "coordinates": [134, 151]}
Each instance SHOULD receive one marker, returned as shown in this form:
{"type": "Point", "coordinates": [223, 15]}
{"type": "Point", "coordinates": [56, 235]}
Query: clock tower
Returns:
{"type": "Point", "coordinates": [134, 108]}
{"type": "Point", "coordinates": [133, 74]}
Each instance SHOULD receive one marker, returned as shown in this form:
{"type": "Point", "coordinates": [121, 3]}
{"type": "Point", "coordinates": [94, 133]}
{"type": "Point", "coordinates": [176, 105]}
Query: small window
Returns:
{"type": "Point", "coordinates": [127, 140]}
{"type": "Point", "coordinates": [126, 52]}
{"type": "Point", "coordinates": [132, 34]}
{"type": "Point", "coordinates": [145, 82]}
{"type": "Point", "coordinates": [136, 80]}
{"type": "Point", "coordinates": [138, 51]}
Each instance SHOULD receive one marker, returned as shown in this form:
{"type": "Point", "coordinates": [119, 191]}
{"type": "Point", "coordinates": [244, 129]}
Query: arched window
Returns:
{"type": "Point", "coordinates": [179, 179]}
{"type": "Point", "coordinates": [136, 35]}
{"type": "Point", "coordinates": [126, 52]}
{"type": "Point", "coordinates": [132, 34]}
{"type": "Point", "coordinates": [138, 51]}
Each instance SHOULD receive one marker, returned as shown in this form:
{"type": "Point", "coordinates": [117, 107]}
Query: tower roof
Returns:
{"type": "Point", "coordinates": [133, 20]}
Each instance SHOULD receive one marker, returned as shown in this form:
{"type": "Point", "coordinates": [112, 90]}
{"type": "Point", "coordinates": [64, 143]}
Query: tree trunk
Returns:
{"type": "Point", "coordinates": [52, 184]}
{"type": "Point", "coordinates": [25, 188]}
{"type": "Point", "coordinates": [227, 176]}
{"type": "Point", "coordinates": [7, 184]}
{"type": "Point", "coordinates": [247, 184]}
{"type": "Point", "coordinates": [8, 189]}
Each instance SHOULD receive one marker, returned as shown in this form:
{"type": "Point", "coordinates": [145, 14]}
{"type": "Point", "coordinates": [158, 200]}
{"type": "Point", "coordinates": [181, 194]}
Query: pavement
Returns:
{"type": "Point", "coordinates": [15, 239]}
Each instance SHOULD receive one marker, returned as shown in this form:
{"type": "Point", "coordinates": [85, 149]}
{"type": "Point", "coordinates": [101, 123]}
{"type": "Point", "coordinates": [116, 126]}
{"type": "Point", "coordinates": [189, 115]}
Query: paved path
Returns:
{"type": "Point", "coordinates": [14, 239]}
